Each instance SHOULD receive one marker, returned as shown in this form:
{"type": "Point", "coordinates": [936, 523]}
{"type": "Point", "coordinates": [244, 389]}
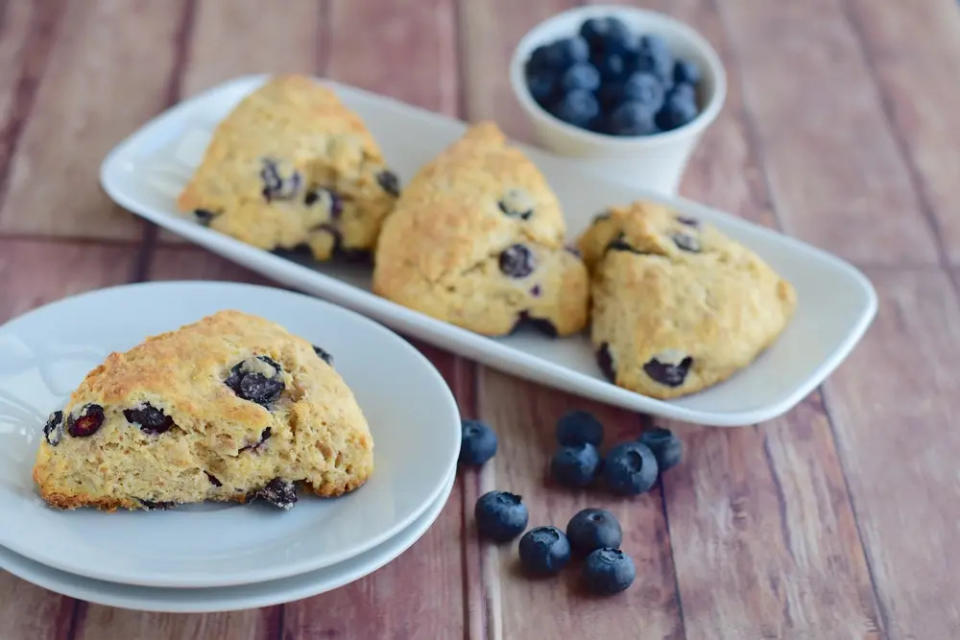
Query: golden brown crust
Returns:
{"type": "Point", "coordinates": [330, 194]}
{"type": "Point", "coordinates": [439, 250]}
{"type": "Point", "coordinates": [220, 446]}
{"type": "Point", "coordinates": [677, 305]}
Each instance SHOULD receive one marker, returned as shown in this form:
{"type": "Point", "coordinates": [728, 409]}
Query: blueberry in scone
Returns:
{"type": "Point", "coordinates": [232, 407]}
{"type": "Point", "coordinates": [476, 239]}
{"type": "Point", "coordinates": [677, 305]}
{"type": "Point", "coordinates": [291, 166]}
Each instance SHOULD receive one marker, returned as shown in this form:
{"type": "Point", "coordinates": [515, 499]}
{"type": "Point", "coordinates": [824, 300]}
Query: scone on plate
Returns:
{"type": "Point", "coordinates": [232, 407]}
{"type": "Point", "coordinates": [677, 305]}
{"type": "Point", "coordinates": [291, 166]}
{"type": "Point", "coordinates": [476, 239]}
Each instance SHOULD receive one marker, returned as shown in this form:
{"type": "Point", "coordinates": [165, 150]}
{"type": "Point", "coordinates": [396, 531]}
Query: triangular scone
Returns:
{"type": "Point", "coordinates": [677, 305]}
{"type": "Point", "coordinates": [292, 166]}
{"type": "Point", "coordinates": [476, 239]}
{"type": "Point", "coordinates": [229, 408]}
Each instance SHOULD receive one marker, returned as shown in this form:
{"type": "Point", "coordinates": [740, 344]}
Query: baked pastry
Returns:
{"type": "Point", "coordinates": [677, 305]}
{"type": "Point", "coordinates": [291, 166]}
{"type": "Point", "coordinates": [476, 239]}
{"type": "Point", "coordinates": [229, 408]}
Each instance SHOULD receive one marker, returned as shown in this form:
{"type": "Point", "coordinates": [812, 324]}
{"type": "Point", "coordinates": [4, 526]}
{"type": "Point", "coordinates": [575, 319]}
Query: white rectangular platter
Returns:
{"type": "Point", "coordinates": [836, 303]}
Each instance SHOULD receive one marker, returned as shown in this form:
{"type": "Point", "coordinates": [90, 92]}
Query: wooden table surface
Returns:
{"type": "Point", "coordinates": [839, 520]}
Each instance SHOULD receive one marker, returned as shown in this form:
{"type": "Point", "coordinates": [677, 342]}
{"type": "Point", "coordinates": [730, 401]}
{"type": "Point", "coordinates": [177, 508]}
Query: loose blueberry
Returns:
{"type": "Point", "coordinates": [678, 110]}
{"type": "Point", "coordinates": [592, 529]}
{"type": "Point", "coordinates": [87, 423]}
{"type": "Point", "coordinates": [579, 426]}
{"type": "Point", "coordinates": [666, 447]}
{"type": "Point", "coordinates": [581, 76]}
{"type": "Point", "coordinates": [249, 380]}
{"type": "Point", "coordinates": [542, 325]}
{"type": "Point", "coordinates": [331, 200]}
{"type": "Point", "coordinates": [204, 216]}
{"type": "Point", "coordinates": [500, 516]}
{"type": "Point", "coordinates": [686, 71]}
{"type": "Point", "coordinates": [686, 242]}
{"type": "Point", "coordinates": [608, 571]}
{"type": "Point", "coordinates": [264, 436]}
{"type": "Point", "coordinates": [213, 479]}
{"type": "Point", "coordinates": [645, 89]}
{"type": "Point", "coordinates": [579, 108]}
{"type": "Point", "coordinates": [671, 375]}
{"type": "Point", "coordinates": [478, 442]}
{"type": "Point", "coordinates": [53, 429]}
{"type": "Point", "coordinates": [630, 468]}
{"type": "Point", "coordinates": [544, 551]}
{"type": "Point", "coordinates": [517, 261]}
{"type": "Point", "coordinates": [275, 187]}
{"type": "Point", "coordinates": [389, 182]}
{"type": "Point", "coordinates": [278, 492]}
{"type": "Point", "coordinates": [575, 465]}
{"type": "Point", "coordinates": [150, 419]}
{"type": "Point", "coordinates": [323, 354]}
{"type": "Point", "coordinates": [605, 362]}
{"type": "Point", "coordinates": [632, 119]}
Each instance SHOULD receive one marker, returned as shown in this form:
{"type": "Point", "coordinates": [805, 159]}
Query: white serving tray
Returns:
{"type": "Point", "coordinates": [836, 303]}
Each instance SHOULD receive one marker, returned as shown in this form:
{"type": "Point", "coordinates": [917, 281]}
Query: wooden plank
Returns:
{"type": "Point", "coordinates": [34, 273]}
{"type": "Point", "coordinates": [109, 622]}
{"type": "Point", "coordinates": [489, 31]}
{"type": "Point", "coordinates": [421, 594]}
{"type": "Point", "coordinates": [914, 52]}
{"type": "Point", "coordinates": [108, 72]}
{"type": "Point", "coordinates": [524, 415]}
{"type": "Point", "coordinates": [836, 174]}
{"type": "Point", "coordinates": [893, 404]}
{"type": "Point", "coordinates": [193, 263]}
{"type": "Point", "coordinates": [243, 36]}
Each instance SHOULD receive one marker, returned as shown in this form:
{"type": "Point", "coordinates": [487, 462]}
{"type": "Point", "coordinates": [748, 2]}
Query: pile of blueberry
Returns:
{"type": "Point", "coordinates": [629, 468]}
{"type": "Point", "coordinates": [610, 80]}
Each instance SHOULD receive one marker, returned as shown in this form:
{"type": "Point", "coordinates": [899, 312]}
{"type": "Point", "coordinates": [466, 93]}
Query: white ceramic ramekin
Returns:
{"type": "Point", "coordinates": [655, 161]}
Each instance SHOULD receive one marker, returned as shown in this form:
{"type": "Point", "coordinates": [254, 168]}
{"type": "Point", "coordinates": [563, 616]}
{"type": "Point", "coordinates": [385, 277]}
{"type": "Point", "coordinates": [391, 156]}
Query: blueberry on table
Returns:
{"type": "Point", "coordinates": [575, 465]}
{"type": "Point", "coordinates": [666, 447]}
{"type": "Point", "coordinates": [501, 516]}
{"type": "Point", "coordinates": [678, 110]}
{"type": "Point", "coordinates": [592, 529]}
{"type": "Point", "coordinates": [632, 119]}
{"type": "Point", "coordinates": [644, 88]}
{"type": "Point", "coordinates": [686, 71]}
{"type": "Point", "coordinates": [579, 108]}
{"type": "Point", "coordinates": [478, 442]}
{"type": "Point", "coordinates": [579, 426]}
{"type": "Point", "coordinates": [608, 571]}
{"type": "Point", "coordinates": [581, 75]}
{"type": "Point", "coordinates": [544, 550]}
{"type": "Point", "coordinates": [630, 468]}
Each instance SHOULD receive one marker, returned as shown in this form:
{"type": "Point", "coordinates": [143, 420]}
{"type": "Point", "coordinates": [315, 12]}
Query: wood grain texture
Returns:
{"type": "Point", "coordinates": [194, 263]}
{"type": "Point", "coordinates": [836, 174]}
{"type": "Point", "coordinates": [108, 622]}
{"type": "Point", "coordinates": [33, 273]}
{"type": "Point", "coordinates": [107, 74]}
{"type": "Point", "coordinates": [524, 415]}
{"type": "Point", "coordinates": [242, 37]}
{"type": "Point", "coordinates": [489, 31]}
{"type": "Point", "coordinates": [914, 51]}
{"type": "Point", "coordinates": [894, 410]}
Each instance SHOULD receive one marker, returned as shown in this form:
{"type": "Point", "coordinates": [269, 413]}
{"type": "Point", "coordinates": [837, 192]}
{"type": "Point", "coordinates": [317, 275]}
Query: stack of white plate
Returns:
{"type": "Point", "coordinates": [216, 557]}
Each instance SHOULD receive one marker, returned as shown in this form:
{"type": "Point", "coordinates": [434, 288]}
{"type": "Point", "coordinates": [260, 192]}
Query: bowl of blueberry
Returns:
{"type": "Point", "coordinates": [629, 90]}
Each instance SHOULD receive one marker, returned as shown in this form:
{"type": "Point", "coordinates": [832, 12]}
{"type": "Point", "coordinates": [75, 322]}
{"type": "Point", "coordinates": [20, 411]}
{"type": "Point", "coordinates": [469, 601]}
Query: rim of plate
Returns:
{"type": "Point", "coordinates": [265, 573]}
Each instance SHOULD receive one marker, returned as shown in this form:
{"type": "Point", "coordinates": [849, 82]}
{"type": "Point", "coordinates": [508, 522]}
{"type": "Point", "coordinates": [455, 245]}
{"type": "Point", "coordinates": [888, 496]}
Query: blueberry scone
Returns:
{"type": "Point", "coordinates": [232, 407]}
{"type": "Point", "coordinates": [290, 167]}
{"type": "Point", "coordinates": [476, 239]}
{"type": "Point", "coordinates": [677, 305]}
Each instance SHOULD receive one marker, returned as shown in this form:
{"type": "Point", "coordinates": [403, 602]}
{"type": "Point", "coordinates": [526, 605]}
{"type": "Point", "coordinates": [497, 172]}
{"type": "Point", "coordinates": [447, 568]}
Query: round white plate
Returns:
{"type": "Point", "coordinates": [260, 594]}
{"type": "Point", "coordinates": [44, 355]}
